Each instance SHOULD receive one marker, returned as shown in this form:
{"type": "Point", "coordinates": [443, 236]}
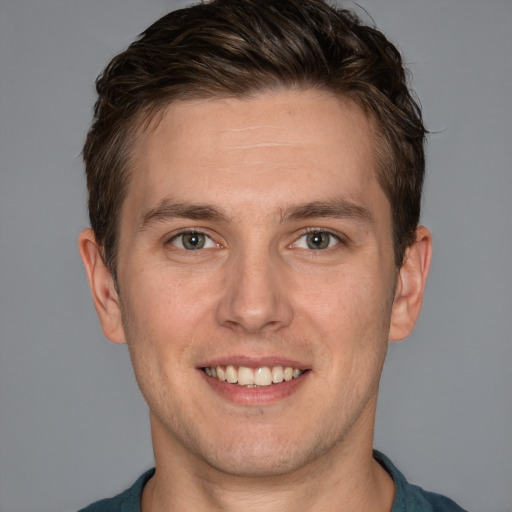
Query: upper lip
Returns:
{"type": "Point", "coordinates": [254, 362]}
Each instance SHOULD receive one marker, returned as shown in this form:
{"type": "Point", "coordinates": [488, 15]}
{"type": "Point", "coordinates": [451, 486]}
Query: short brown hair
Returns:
{"type": "Point", "coordinates": [236, 48]}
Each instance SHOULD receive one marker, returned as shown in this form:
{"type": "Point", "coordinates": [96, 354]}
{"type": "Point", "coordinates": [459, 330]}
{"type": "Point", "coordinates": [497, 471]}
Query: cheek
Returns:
{"type": "Point", "coordinates": [350, 313]}
{"type": "Point", "coordinates": [167, 320]}
{"type": "Point", "coordinates": [349, 298]}
{"type": "Point", "coordinates": [155, 350]}
{"type": "Point", "coordinates": [150, 316]}
{"type": "Point", "coordinates": [162, 298]}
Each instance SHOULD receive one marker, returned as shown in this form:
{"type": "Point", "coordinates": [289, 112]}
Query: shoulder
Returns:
{"type": "Point", "coordinates": [127, 501]}
{"type": "Point", "coordinates": [411, 498]}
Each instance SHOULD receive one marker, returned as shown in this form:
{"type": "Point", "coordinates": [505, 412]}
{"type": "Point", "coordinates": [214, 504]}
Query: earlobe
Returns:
{"type": "Point", "coordinates": [411, 286]}
{"type": "Point", "coordinates": [104, 294]}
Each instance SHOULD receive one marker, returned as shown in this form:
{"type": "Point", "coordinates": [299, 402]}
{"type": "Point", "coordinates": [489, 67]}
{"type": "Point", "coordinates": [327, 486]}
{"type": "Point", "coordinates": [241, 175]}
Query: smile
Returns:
{"type": "Point", "coordinates": [253, 377]}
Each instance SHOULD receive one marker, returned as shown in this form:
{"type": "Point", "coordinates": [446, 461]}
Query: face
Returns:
{"type": "Point", "coordinates": [256, 280]}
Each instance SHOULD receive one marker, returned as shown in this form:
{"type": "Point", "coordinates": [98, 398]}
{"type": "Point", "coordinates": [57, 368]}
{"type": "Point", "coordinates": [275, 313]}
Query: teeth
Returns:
{"type": "Point", "coordinates": [231, 374]}
{"type": "Point", "coordinates": [263, 376]}
{"type": "Point", "coordinates": [277, 374]}
{"type": "Point", "coordinates": [253, 377]}
{"type": "Point", "coordinates": [245, 376]}
{"type": "Point", "coordinates": [288, 373]}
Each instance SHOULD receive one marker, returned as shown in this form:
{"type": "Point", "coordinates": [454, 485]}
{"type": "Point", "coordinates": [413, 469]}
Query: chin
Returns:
{"type": "Point", "coordinates": [262, 455]}
{"type": "Point", "coordinates": [257, 462]}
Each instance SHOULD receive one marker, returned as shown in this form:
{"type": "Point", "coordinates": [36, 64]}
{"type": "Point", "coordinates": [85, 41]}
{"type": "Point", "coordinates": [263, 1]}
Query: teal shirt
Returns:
{"type": "Point", "coordinates": [408, 498]}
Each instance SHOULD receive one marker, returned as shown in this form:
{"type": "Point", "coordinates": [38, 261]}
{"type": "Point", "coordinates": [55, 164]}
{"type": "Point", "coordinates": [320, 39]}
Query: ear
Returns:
{"type": "Point", "coordinates": [104, 294]}
{"type": "Point", "coordinates": [411, 286]}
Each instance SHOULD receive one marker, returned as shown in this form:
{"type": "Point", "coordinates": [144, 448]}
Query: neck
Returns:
{"type": "Point", "coordinates": [342, 479]}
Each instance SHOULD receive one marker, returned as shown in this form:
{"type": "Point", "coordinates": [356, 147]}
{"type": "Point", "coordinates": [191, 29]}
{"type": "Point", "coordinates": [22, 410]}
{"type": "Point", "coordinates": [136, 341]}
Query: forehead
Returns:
{"type": "Point", "coordinates": [270, 148]}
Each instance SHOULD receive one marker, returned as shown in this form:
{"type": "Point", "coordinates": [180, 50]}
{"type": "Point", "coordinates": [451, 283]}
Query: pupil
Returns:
{"type": "Point", "coordinates": [318, 240]}
{"type": "Point", "coordinates": [194, 241]}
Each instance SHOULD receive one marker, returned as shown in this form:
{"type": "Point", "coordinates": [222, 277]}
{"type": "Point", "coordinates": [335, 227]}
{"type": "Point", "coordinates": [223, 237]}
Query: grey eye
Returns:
{"type": "Point", "coordinates": [191, 241]}
{"type": "Point", "coordinates": [318, 240]}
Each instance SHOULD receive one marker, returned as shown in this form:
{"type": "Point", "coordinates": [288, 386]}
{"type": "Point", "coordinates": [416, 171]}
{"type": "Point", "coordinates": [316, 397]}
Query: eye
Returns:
{"type": "Point", "coordinates": [193, 241]}
{"type": "Point", "coordinates": [317, 240]}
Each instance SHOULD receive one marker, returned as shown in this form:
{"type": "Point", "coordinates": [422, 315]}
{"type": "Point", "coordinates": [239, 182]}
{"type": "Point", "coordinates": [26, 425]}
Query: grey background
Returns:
{"type": "Point", "coordinates": [73, 427]}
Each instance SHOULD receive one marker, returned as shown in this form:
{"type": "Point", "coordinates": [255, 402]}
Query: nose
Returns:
{"type": "Point", "coordinates": [255, 298]}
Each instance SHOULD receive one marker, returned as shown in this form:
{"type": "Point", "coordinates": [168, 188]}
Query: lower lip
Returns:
{"type": "Point", "coordinates": [254, 396]}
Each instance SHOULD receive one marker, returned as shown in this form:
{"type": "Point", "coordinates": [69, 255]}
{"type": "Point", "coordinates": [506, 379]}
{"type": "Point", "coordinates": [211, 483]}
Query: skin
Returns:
{"type": "Point", "coordinates": [258, 291]}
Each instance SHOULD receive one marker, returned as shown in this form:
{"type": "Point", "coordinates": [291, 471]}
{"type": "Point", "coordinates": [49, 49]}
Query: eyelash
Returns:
{"type": "Point", "coordinates": [317, 231]}
{"type": "Point", "coordinates": [185, 232]}
{"type": "Point", "coordinates": [212, 244]}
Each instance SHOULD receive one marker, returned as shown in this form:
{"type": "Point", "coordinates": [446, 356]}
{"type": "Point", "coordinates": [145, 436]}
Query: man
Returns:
{"type": "Point", "coordinates": [254, 173]}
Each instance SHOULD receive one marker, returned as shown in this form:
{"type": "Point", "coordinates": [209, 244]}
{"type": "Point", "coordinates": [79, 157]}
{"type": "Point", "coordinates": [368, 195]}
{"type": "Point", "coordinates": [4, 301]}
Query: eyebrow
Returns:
{"type": "Point", "coordinates": [168, 209]}
{"type": "Point", "coordinates": [339, 208]}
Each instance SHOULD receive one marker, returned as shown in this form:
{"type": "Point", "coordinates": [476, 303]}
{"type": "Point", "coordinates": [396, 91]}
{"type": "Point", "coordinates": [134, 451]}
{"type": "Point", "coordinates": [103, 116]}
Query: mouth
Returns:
{"type": "Point", "coordinates": [261, 377]}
